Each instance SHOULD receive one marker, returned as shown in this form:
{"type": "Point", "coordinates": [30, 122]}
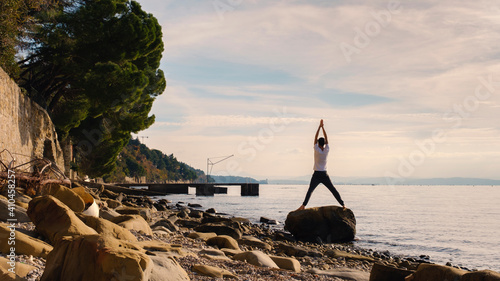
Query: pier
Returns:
{"type": "Point", "coordinates": [202, 189]}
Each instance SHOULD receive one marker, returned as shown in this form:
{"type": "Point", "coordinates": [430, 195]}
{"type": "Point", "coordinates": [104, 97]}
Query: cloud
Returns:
{"type": "Point", "coordinates": [418, 72]}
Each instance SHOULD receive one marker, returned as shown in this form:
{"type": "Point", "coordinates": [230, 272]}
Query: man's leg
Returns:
{"type": "Point", "coordinates": [328, 183]}
{"type": "Point", "coordinates": [312, 185]}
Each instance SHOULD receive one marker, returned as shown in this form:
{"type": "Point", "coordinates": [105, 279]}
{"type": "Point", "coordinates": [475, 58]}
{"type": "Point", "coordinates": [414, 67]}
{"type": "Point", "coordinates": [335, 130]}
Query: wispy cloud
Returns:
{"type": "Point", "coordinates": [417, 73]}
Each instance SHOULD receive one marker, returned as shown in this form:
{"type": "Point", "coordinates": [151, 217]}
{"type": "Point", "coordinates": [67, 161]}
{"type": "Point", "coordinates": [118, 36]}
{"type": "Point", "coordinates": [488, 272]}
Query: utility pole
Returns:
{"type": "Point", "coordinates": [142, 137]}
{"type": "Point", "coordinates": [211, 164]}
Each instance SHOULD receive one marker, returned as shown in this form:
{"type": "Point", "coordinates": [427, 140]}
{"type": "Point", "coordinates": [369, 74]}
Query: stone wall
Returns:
{"type": "Point", "coordinates": [26, 129]}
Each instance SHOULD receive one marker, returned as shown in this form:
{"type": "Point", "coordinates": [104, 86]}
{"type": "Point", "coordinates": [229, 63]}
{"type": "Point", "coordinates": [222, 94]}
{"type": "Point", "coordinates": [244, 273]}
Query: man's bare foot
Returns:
{"type": "Point", "coordinates": [302, 207]}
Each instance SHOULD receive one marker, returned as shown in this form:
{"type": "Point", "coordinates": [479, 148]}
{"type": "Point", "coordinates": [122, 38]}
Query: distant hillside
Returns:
{"type": "Point", "coordinates": [233, 179]}
{"type": "Point", "coordinates": [384, 181]}
{"type": "Point", "coordinates": [137, 160]}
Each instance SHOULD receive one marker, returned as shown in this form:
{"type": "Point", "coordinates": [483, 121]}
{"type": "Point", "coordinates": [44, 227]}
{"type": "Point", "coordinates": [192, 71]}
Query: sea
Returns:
{"type": "Point", "coordinates": [449, 224]}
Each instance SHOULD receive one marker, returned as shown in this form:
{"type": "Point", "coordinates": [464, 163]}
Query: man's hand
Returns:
{"type": "Point", "coordinates": [321, 123]}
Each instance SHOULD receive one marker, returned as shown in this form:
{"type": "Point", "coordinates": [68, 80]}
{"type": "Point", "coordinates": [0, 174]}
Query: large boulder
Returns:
{"type": "Point", "coordinates": [223, 241]}
{"type": "Point", "coordinates": [105, 227]}
{"type": "Point", "coordinates": [256, 258]}
{"type": "Point", "coordinates": [135, 222]}
{"type": "Point", "coordinates": [221, 229]}
{"type": "Point", "coordinates": [345, 273]}
{"type": "Point", "coordinates": [254, 242]}
{"type": "Point", "coordinates": [25, 245]}
{"type": "Point", "coordinates": [167, 269]}
{"type": "Point", "coordinates": [19, 212]}
{"type": "Point", "coordinates": [482, 275]}
{"type": "Point", "coordinates": [213, 271]}
{"type": "Point", "coordinates": [381, 272]}
{"type": "Point", "coordinates": [96, 258]}
{"type": "Point", "coordinates": [21, 270]}
{"type": "Point", "coordinates": [435, 272]}
{"type": "Point", "coordinates": [287, 263]}
{"type": "Point", "coordinates": [53, 219]}
{"type": "Point", "coordinates": [202, 235]}
{"type": "Point", "coordinates": [326, 224]}
{"type": "Point", "coordinates": [143, 212]}
{"type": "Point", "coordinates": [69, 197]}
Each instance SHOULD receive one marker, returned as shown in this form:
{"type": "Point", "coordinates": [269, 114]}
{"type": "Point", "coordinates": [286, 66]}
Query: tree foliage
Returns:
{"type": "Point", "coordinates": [94, 66]}
{"type": "Point", "coordinates": [16, 23]}
{"type": "Point", "coordinates": [137, 160]}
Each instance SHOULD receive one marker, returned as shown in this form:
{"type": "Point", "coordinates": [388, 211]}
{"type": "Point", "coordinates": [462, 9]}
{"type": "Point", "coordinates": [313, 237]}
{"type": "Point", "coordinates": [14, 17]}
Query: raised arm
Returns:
{"type": "Point", "coordinates": [317, 132]}
{"type": "Point", "coordinates": [324, 133]}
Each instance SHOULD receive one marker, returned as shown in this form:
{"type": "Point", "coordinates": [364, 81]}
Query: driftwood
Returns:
{"type": "Point", "coordinates": [32, 175]}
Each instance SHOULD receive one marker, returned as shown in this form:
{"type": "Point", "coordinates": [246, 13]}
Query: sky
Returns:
{"type": "Point", "coordinates": [407, 89]}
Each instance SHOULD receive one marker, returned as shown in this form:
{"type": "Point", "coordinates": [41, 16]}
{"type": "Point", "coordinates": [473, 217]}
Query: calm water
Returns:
{"type": "Point", "coordinates": [457, 224]}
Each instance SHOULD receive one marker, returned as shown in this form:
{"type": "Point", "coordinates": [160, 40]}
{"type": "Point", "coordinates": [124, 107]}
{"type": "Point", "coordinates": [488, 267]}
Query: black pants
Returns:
{"type": "Point", "coordinates": [322, 177]}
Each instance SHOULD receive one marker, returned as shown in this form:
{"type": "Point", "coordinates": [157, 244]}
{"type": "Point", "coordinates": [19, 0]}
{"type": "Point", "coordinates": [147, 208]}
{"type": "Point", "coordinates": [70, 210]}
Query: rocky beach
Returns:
{"type": "Point", "coordinates": [59, 236]}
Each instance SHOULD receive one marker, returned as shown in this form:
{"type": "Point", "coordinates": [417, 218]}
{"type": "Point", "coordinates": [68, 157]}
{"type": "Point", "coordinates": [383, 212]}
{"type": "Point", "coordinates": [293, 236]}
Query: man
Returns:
{"type": "Point", "coordinates": [320, 175]}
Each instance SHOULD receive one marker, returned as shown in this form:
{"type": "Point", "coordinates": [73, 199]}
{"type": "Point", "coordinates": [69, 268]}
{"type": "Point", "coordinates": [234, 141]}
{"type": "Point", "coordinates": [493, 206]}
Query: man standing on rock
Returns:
{"type": "Point", "coordinates": [320, 175]}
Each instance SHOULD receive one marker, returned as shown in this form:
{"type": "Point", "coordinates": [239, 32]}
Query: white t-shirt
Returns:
{"type": "Point", "coordinates": [320, 157]}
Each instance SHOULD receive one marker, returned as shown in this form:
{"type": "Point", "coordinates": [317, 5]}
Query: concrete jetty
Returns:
{"type": "Point", "coordinates": [202, 189]}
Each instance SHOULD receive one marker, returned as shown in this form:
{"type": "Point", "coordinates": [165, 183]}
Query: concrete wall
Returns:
{"type": "Point", "coordinates": [25, 128]}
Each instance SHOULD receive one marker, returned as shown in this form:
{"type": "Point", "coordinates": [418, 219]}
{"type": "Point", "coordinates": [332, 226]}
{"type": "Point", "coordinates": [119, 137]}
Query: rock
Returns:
{"type": "Point", "coordinates": [332, 253]}
{"type": "Point", "coordinates": [223, 241]}
{"type": "Point", "coordinates": [257, 258]}
{"type": "Point", "coordinates": [113, 204]}
{"type": "Point", "coordinates": [108, 214]}
{"type": "Point", "coordinates": [283, 236]}
{"type": "Point", "coordinates": [211, 211]}
{"type": "Point", "coordinates": [434, 272]}
{"type": "Point", "coordinates": [23, 198]}
{"type": "Point", "coordinates": [482, 275]}
{"type": "Point", "coordinates": [96, 258]}
{"type": "Point", "coordinates": [19, 212]}
{"type": "Point", "coordinates": [287, 263]}
{"type": "Point", "coordinates": [25, 245]}
{"type": "Point", "coordinates": [86, 197]}
{"type": "Point", "coordinates": [292, 250]}
{"type": "Point", "coordinates": [21, 270]}
{"type": "Point", "coordinates": [196, 214]}
{"type": "Point", "coordinates": [220, 229]}
{"type": "Point", "coordinates": [382, 272]}
{"type": "Point", "coordinates": [346, 273]}
{"type": "Point", "coordinates": [164, 248]}
{"type": "Point", "coordinates": [231, 252]}
{"type": "Point", "coordinates": [254, 242]}
{"type": "Point", "coordinates": [213, 254]}
{"type": "Point", "coordinates": [106, 227]}
{"type": "Point", "coordinates": [268, 220]}
{"type": "Point", "coordinates": [53, 219]}
{"type": "Point", "coordinates": [189, 223]}
{"type": "Point", "coordinates": [134, 222]}
{"type": "Point", "coordinates": [212, 271]}
{"type": "Point", "coordinates": [167, 269]}
{"type": "Point", "coordinates": [167, 224]}
{"type": "Point", "coordinates": [160, 230]}
{"type": "Point", "coordinates": [65, 195]}
{"type": "Point", "coordinates": [143, 212]}
{"type": "Point", "coordinates": [194, 205]}
{"type": "Point", "coordinates": [22, 204]}
{"type": "Point", "coordinates": [326, 224]}
{"type": "Point", "coordinates": [202, 235]}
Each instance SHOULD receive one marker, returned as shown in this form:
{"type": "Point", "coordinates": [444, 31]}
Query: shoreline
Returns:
{"type": "Point", "coordinates": [186, 227]}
